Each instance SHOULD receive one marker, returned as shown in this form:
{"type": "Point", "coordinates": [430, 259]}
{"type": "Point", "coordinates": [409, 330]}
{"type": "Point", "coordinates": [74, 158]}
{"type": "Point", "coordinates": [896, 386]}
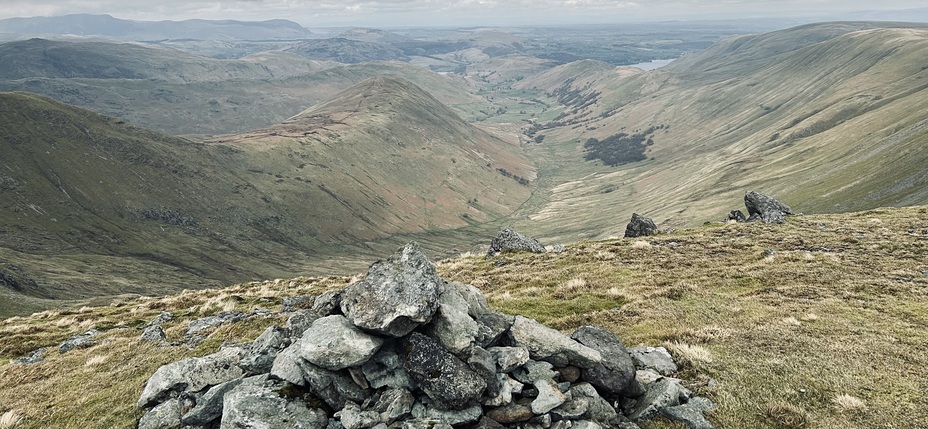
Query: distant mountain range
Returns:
{"type": "Point", "coordinates": [109, 27]}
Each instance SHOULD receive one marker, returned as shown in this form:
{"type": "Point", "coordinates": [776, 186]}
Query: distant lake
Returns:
{"type": "Point", "coordinates": [651, 65]}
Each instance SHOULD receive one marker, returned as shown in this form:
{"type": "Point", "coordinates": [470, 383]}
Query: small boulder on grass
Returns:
{"type": "Point", "coordinates": [509, 240]}
{"type": "Point", "coordinates": [640, 226]}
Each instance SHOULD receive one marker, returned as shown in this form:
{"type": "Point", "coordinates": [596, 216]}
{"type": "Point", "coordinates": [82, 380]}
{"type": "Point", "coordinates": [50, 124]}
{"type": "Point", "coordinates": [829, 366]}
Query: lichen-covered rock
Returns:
{"type": "Point", "coordinates": [483, 363]}
{"type": "Point", "coordinates": [490, 327]}
{"type": "Point", "coordinates": [384, 369]}
{"type": "Point", "coordinates": [549, 397]}
{"type": "Point", "coordinates": [333, 343]}
{"type": "Point", "coordinates": [509, 358]}
{"type": "Point", "coordinates": [328, 303]}
{"type": "Point", "coordinates": [259, 406]}
{"type": "Point", "coordinates": [223, 317]}
{"type": "Point", "coordinates": [393, 404]}
{"type": "Point", "coordinates": [532, 371]}
{"type": "Point", "coordinates": [765, 208]}
{"type": "Point", "coordinates": [666, 392]}
{"type": "Point", "coordinates": [37, 355]}
{"type": "Point", "coordinates": [396, 296]}
{"type": "Point", "coordinates": [423, 412]}
{"type": "Point", "coordinates": [616, 370]}
{"type": "Point", "coordinates": [192, 375]}
{"type": "Point", "coordinates": [153, 334]}
{"type": "Point", "coordinates": [208, 407]}
{"type": "Point", "coordinates": [444, 378]}
{"type": "Point", "coordinates": [299, 322]}
{"type": "Point", "coordinates": [165, 415]}
{"type": "Point", "coordinates": [544, 343]}
{"type": "Point", "coordinates": [640, 226]}
{"type": "Point", "coordinates": [690, 413]}
{"type": "Point", "coordinates": [334, 387]}
{"type": "Point", "coordinates": [79, 341]}
{"type": "Point", "coordinates": [656, 358]}
{"type": "Point", "coordinates": [261, 354]}
{"type": "Point", "coordinates": [507, 387]}
{"type": "Point", "coordinates": [509, 240]}
{"type": "Point", "coordinates": [353, 417]}
{"type": "Point", "coordinates": [454, 328]}
{"type": "Point", "coordinates": [511, 413]}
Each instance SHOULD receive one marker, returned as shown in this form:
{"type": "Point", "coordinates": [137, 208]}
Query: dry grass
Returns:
{"type": "Point", "coordinates": [10, 420]}
{"type": "Point", "coordinates": [786, 335]}
{"type": "Point", "coordinates": [705, 293]}
{"type": "Point", "coordinates": [849, 403]}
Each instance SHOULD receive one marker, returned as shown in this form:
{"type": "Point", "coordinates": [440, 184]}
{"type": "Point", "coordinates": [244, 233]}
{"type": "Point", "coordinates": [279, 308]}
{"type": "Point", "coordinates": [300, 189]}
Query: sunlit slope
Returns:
{"type": "Point", "coordinates": [833, 125]}
{"type": "Point", "coordinates": [386, 157]}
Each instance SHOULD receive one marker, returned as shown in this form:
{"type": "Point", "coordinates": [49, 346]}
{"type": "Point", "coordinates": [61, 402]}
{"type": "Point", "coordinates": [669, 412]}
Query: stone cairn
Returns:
{"type": "Point", "coordinates": [403, 348]}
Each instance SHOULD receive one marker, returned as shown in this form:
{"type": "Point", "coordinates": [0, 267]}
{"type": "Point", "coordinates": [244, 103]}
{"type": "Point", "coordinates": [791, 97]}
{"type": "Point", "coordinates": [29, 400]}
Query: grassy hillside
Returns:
{"type": "Point", "coordinates": [92, 206]}
{"type": "Point", "coordinates": [817, 323]}
{"type": "Point", "coordinates": [826, 117]}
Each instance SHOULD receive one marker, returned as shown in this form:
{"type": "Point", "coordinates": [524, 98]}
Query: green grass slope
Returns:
{"type": "Point", "coordinates": [818, 323]}
{"type": "Point", "coordinates": [827, 117]}
{"type": "Point", "coordinates": [90, 206]}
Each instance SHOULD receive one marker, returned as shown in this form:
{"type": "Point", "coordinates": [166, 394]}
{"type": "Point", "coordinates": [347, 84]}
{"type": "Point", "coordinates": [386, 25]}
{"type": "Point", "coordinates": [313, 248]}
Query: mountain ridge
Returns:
{"type": "Point", "coordinates": [108, 26]}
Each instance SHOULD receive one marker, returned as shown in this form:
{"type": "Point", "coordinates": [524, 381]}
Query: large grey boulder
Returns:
{"type": "Point", "coordinates": [396, 296]}
{"type": "Point", "coordinates": [192, 375]}
{"type": "Point", "coordinates": [765, 208]}
{"type": "Point", "coordinates": [444, 378]}
{"type": "Point", "coordinates": [640, 226]}
{"type": "Point", "coordinates": [616, 370]}
{"type": "Point", "coordinates": [333, 343]}
{"type": "Point", "coordinates": [509, 240]}
{"type": "Point", "coordinates": [544, 343]}
{"type": "Point", "coordinates": [260, 406]}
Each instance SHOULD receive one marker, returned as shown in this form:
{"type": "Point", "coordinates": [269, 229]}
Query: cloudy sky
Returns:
{"type": "Point", "coordinates": [385, 13]}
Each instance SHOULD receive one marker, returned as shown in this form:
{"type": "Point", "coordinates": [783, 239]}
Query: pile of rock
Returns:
{"type": "Point", "coordinates": [405, 348]}
{"type": "Point", "coordinates": [761, 208]}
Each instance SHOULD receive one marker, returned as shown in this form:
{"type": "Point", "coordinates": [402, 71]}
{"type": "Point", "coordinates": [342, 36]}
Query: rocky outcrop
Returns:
{"type": "Point", "coordinates": [509, 240]}
{"type": "Point", "coordinates": [762, 208]}
{"type": "Point", "coordinates": [640, 226]}
{"type": "Point", "coordinates": [403, 348]}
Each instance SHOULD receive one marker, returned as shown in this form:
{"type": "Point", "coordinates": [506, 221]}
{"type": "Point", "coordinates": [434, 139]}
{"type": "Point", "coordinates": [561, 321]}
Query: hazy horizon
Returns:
{"type": "Point", "coordinates": [398, 13]}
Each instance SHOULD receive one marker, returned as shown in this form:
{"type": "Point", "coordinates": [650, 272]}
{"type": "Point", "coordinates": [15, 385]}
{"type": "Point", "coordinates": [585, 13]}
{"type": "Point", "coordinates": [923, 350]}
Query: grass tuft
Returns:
{"type": "Point", "coordinates": [10, 420]}
{"type": "Point", "coordinates": [691, 355]}
{"type": "Point", "coordinates": [784, 415]}
{"type": "Point", "coordinates": [849, 403]}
